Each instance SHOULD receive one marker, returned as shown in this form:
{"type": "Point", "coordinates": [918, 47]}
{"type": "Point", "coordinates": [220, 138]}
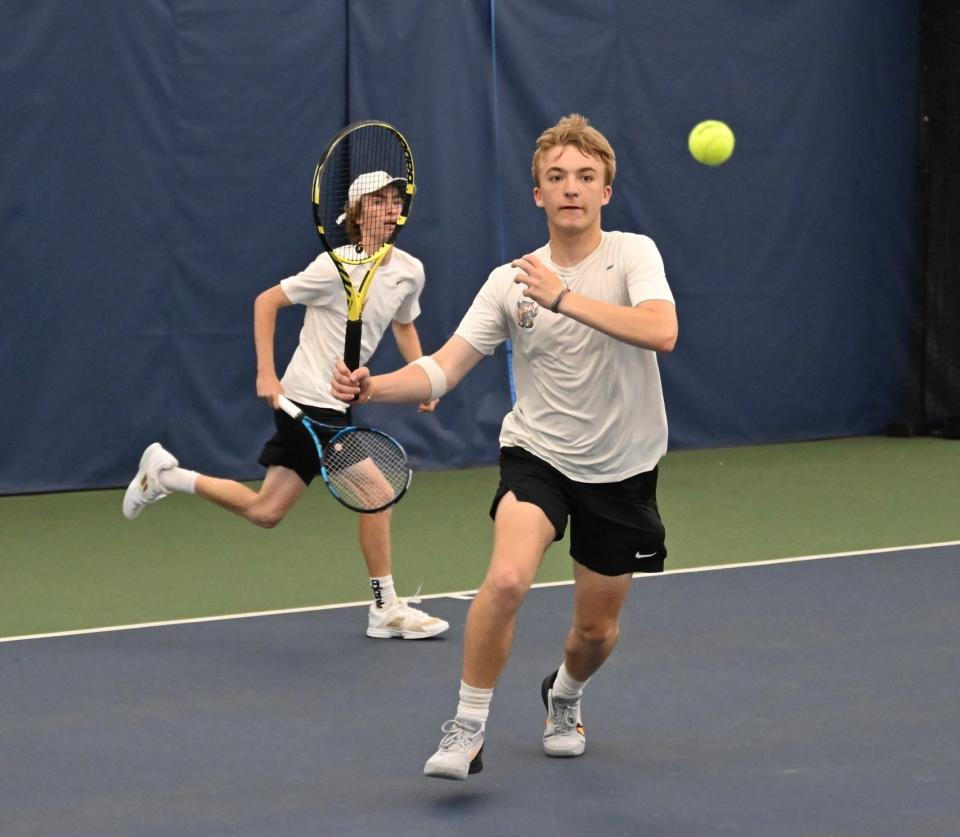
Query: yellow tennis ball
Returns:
{"type": "Point", "coordinates": [711, 142]}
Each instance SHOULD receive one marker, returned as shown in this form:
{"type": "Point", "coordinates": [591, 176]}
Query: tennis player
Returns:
{"type": "Point", "coordinates": [290, 456]}
{"type": "Point", "coordinates": [587, 314]}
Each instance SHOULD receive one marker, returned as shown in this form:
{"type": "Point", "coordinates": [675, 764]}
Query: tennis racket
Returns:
{"type": "Point", "coordinates": [365, 469]}
{"type": "Point", "coordinates": [362, 190]}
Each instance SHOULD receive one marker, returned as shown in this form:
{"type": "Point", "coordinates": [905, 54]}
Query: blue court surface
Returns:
{"type": "Point", "coordinates": [798, 698]}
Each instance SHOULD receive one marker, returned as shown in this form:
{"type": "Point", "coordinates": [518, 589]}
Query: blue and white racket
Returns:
{"type": "Point", "coordinates": [365, 469]}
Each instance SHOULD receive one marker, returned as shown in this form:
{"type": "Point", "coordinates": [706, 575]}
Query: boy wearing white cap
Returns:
{"type": "Point", "coordinates": [375, 201]}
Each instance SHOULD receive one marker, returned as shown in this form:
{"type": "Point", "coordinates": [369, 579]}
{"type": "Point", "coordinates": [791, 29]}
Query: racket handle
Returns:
{"type": "Point", "coordinates": [351, 345]}
{"type": "Point", "coordinates": [289, 407]}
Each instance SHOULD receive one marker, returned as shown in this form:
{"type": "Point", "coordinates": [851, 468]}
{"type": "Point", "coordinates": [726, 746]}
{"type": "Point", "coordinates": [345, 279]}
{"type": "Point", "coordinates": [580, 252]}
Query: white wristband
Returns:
{"type": "Point", "coordinates": [438, 381]}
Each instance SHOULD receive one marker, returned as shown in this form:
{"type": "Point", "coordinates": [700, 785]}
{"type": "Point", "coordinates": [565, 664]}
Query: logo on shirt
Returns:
{"type": "Point", "coordinates": [527, 311]}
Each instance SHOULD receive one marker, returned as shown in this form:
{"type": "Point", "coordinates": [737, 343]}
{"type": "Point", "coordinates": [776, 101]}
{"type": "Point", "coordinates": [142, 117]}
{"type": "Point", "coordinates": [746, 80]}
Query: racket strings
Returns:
{"type": "Point", "coordinates": [355, 166]}
{"type": "Point", "coordinates": [365, 469]}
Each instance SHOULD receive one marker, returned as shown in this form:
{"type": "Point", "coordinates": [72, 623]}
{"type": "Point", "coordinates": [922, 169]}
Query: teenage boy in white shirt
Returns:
{"type": "Point", "coordinates": [290, 456]}
{"type": "Point", "coordinates": [587, 314]}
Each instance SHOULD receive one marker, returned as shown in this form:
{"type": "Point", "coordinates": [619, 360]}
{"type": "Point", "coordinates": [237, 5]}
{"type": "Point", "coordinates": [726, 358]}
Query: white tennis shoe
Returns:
{"type": "Point", "coordinates": [145, 487]}
{"type": "Point", "coordinates": [564, 735]}
{"type": "Point", "coordinates": [460, 753]}
{"type": "Point", "coordinates": [400, 620]}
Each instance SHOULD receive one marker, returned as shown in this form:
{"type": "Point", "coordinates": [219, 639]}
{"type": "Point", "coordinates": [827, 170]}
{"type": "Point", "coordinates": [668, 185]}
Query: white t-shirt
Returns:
{"type": "Point", "coordinates": [588, 404]}
{"type": "Point", "coordinates": [394, 295]}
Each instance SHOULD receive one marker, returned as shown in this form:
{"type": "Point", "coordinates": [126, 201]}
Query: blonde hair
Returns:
{"type": "Point", "coordinates": [576, 130]}
{"type": "Point", "coordinates": [351, 223]}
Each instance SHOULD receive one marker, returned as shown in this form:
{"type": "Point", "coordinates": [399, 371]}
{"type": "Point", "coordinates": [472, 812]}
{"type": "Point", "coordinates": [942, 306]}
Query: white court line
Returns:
{"type": "Point", "coordinates": [804, 558]}
{"type": "Point", "coordinates": [466, 594]}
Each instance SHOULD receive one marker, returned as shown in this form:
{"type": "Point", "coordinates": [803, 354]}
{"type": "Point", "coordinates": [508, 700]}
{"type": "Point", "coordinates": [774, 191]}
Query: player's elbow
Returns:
{"type": "Point", "coordinates": [265, 517]}
{"type": "Point", "coordinates": [660, 341]}
{"type": "Point", "coordinates": [668, 340]}
{"type": "Point", "coordinates": [666, 337]}
{"type": "Point", "coordinates": [657, 326]}
{"type": "Point", "coordinates": [266, 522]}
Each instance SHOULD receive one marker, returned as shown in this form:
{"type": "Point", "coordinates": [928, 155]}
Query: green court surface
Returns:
{"type": "Point", "coordinates": [71, 561]}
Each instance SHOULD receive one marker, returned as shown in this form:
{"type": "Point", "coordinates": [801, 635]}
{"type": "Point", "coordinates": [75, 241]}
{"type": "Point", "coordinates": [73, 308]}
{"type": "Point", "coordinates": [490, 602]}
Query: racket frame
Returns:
{"type": "Point", "coordinates": [308, 423]}
{"type": "Point", "coordinates": [357, 296]}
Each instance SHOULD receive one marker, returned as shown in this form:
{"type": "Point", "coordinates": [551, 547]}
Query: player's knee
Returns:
{"type": "Point", "coordinates": [507, 585]}
{"type": "Point", "coordinates": [597, 633]}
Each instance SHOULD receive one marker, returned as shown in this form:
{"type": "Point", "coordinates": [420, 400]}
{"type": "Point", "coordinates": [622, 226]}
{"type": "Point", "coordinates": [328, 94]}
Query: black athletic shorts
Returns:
{"type": "Point", "coordinates": [292, 447]}
{"type": "Point", "coordinates": [615, 527]}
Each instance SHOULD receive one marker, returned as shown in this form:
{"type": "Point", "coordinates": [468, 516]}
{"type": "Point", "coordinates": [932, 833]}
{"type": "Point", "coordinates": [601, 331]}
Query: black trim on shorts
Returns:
{"type": "Point", "coordinates": [615, 527]}
{"type": "Point", "coordinates": [292, 447]}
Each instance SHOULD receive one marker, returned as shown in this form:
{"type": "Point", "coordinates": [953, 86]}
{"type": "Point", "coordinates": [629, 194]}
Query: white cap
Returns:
{"type": "Point", "coordinates": [372, 181]}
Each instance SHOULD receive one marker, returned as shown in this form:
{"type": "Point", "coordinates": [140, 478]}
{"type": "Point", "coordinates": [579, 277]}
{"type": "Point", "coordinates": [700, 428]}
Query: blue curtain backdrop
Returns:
{"type": "Point", "coordinates": [156, 161]}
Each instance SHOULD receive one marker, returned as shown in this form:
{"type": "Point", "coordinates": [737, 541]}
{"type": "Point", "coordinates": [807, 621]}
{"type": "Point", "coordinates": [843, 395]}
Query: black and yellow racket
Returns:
{"type": "Point", "coordinates": [362, 191]}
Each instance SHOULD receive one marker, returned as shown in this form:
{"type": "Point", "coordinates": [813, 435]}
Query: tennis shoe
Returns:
{"type": "Point", "coordinates": [145, 487]}
{"type": "Point", "coordinates": [564, 736]}
{"type": "Point", "coordinates": [460, 753]}
{"type": "Point", "coordinates": [400, 620]}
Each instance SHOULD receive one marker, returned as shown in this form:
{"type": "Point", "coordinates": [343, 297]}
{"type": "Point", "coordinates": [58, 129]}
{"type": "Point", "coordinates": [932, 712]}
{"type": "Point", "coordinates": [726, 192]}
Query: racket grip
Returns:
{"type": "Point", "coordinates": [289, 407]}
{"type": "Point", "coordinates": [351, 344]}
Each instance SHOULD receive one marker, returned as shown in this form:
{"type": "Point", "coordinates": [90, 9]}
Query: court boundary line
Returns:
{"type": "Point", "coordinates": [465, 594]}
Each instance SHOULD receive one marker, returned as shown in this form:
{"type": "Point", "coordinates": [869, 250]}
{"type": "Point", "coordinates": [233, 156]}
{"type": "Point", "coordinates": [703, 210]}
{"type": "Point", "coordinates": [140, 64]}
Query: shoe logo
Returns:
{"type": "Point", "coordinates": [648, 555]}
{"type": "Point", "coordinates": [609, 267]}
{"type": "Point", "coordinates": [144, 483]}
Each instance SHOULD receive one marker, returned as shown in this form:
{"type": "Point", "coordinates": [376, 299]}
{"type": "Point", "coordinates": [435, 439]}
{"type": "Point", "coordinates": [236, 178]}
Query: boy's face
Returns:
{"type": "Point", "coordinates": [379, 212]}
{"type": "Point", "coordinates": [571, 189]}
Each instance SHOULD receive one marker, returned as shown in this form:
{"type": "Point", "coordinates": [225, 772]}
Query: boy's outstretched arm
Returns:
{"type": "Point", "coordinates": [427, 378]}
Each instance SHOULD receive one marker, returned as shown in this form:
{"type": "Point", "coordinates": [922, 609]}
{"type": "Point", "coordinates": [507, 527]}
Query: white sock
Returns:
{"type": "Point", "coordinates": [474, 703]}
{"type": "Point", "coordinates": [383, 592]}
{"type": "Point", "coordinates": [565, 686]}
{"type": "Point", "coordinates": [178, 479]}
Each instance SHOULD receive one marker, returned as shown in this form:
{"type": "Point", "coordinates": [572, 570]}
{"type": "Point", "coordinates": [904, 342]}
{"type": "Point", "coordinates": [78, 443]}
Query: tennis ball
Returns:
{"type": "Point", "coordinates": [711, 142]}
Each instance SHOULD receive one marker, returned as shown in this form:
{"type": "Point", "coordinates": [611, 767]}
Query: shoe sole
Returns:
{"type": "Point", "coordinates": [131, 510]}
{"type": "Point", "coordinates": [443, 772]}
{"type": "Point", "coordinates": [134, 510]}
{"type": "Point", "coordinates": [387, 633]}
{"type": "Point", "coordinates": [564, 754]}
